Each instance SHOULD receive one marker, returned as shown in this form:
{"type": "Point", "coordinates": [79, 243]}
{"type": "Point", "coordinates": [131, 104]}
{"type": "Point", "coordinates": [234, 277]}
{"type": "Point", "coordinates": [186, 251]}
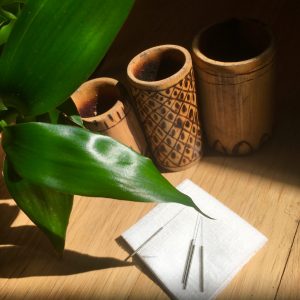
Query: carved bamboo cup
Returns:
{"type": "Point", "coordinates": [234, 64]}
{"type": "Point", "coordinates": [104, 109]}
{"type": "Point", "coordinates": [163, 88]}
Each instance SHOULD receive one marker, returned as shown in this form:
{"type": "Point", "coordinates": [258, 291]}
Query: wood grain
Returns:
{"type": "Point", "coordinates": [92, 266]}
{"type": "Point", "coordinates": [235, 84]}
{"type": "Point", "coordinates": [167, 105]}
{"type": "Point", "coordinates": [289, 287]}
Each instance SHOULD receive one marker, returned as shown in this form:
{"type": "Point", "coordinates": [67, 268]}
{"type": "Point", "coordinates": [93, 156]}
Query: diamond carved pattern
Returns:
{"type": "Point", "coordinates": [171, 124]}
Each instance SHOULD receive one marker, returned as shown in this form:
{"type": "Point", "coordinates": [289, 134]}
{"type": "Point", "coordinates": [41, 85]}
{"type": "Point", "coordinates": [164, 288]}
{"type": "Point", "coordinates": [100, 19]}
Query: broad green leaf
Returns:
{"type": "Point", "coordinates": [75, 161]}
{"type": "Point", "coordinates": [46, 207]}
{"type": "Point", "coordinates": [54, 46]}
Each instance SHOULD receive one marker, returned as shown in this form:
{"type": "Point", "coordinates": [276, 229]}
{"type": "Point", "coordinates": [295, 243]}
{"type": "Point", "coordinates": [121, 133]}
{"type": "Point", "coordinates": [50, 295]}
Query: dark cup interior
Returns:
{"type": "Point", "coordinates": [234, 40]}
{"type": "Point", "coordinates": [105, 97]}
{"type": "Point", "coordinates": [158, 64]}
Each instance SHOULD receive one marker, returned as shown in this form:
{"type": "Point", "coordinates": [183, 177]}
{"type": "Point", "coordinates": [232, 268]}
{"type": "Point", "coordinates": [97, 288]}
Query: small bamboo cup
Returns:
{"type": "Point", "coordinates": [104, 109]}
{"type": "Point", "coordinates": [163, 88]}
{"type": "Point", "coordinates": [234, 64]}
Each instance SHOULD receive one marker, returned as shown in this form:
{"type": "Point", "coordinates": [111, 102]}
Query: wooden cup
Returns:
{"type": "Point", "coordinates": [103, 107]}
{"type": "Point", "coordinates": [234, 64]}
{"type": "Point", "coordinates": [163, 88]}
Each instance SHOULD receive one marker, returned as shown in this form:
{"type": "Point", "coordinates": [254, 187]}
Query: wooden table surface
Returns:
{"type": "Point", "coordinates": [263, 188]}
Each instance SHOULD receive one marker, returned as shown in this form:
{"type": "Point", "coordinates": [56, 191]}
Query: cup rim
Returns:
{"type": "Point", "coordinates": [168, 81]}
{"type": "Point", "coordinates": [95, 82]}
{"type": "Point", "coordinates": [260, 58]}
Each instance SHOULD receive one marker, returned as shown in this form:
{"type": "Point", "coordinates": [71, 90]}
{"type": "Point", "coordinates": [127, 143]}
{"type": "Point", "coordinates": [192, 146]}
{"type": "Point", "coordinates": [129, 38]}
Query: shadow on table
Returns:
{"type": "Point", "coordinates": [26, 252]}
{"type": "Point", "coordinates": [138, 262]}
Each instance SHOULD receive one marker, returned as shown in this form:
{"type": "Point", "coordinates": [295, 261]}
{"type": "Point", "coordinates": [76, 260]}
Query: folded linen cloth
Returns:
{"type": "Point", "coordinates": [228, 243]}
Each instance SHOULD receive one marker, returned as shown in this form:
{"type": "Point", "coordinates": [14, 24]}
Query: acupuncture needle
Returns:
{"type": "Point", "coordinates": [190, 254]}
{"type": "Point", "coordinates": [153, 235]}
{"type": "Point", "coordinates": [201, 259]}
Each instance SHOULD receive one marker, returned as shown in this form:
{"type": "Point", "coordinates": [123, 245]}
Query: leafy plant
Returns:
{"type": "Point", "coordinates": [54, 46]}
{"type": "Point", "coordinates": [9, 12]}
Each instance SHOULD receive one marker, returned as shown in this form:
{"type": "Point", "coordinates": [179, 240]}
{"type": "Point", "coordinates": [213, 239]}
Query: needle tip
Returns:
{"type": "Point", "coordinates": [128, 257]}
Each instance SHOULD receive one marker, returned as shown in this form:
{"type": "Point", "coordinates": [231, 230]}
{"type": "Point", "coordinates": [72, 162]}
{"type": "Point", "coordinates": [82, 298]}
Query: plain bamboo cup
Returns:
{"type": "Point", "coordinates": [163, 88]}
{"type": "Point", "coordinates": [234, 64]}
{"type": "Point", "coordinates": [104, 109]}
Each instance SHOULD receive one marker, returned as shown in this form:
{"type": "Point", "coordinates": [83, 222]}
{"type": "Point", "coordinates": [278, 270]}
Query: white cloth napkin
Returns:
{"type": "Point", "coordinates": [229, 242]}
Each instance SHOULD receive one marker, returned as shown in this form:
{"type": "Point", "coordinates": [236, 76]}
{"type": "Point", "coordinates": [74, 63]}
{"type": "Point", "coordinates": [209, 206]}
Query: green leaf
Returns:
{"type": "Point", "coordinates": [69, 110]}
{"type": "Point", "coordinates": [9, 2]}
{"type": "Point", "coordinates": [50, 117]}
{"type": "Point", "coordinates": [54, 46]}
{"type": "Point", "coordinates": [2, 106]}
{"type": "Point", "coordinates": [7, 116]}
{"type": "Point", "coordinates": [3, 124]}
{"type": "Point", "coordinates": [5, 32]}
{"type": "Point", "coordinates": [75, 161]}
{"type": "Point", "coordinates": [46, 207]}
{"type": "Point", "coordinates": [7, 14]}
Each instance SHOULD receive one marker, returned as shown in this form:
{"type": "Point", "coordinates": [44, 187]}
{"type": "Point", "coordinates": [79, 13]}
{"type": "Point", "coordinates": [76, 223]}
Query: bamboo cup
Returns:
{"type": "Point", "coordinates": [104, 109]}
{"type": "Point", "coordinates": [234, 64]}
{"type": "Point", "coordinates": [163, 88]}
